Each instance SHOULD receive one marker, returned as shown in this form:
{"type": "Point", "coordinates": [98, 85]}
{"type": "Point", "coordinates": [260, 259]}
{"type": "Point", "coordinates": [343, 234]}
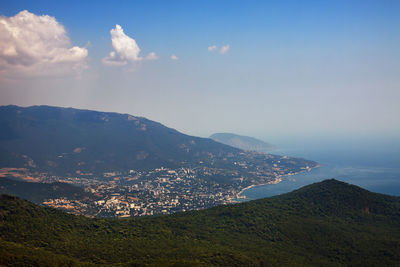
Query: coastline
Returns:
{"type": "Point", "coordinates": [278, 179]}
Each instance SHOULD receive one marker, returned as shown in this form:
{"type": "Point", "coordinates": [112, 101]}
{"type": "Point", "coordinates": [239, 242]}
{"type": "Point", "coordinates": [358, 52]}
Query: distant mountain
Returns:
{"type": "Point", "coordinates": [73, 142]}
{"type": "Point", "coordinates": [242, 142]}
{"type": "Point", "coordinates": [330, 223]}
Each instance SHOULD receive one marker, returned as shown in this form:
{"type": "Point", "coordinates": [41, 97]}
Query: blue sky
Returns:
{"type": "Point", "coordinates": [293, 68]}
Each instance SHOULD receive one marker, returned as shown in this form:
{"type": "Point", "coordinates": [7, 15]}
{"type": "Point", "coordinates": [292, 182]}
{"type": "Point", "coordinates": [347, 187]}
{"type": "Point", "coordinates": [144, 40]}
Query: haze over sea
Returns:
{"type": "Point", "coordinates": [372, 163]}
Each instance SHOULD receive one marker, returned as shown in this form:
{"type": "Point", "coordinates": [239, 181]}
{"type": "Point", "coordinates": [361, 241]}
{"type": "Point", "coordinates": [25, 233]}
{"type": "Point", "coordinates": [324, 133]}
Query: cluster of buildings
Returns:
{"type": "Point", "coordinates": [165, 190]}
{"type": "Point", "coordinates": [160, 191]}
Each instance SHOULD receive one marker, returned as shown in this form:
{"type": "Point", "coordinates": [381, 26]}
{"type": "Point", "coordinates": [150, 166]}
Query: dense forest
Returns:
{"type": "Point", "coordinates": [330, 223]}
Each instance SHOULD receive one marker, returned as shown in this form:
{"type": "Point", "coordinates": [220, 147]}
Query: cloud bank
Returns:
{"type": "Point", "coordinates": [174, 57]}
{"type": "Point", "coordinates": [32, 45]}
{"type": "Point", "coordinates": [126, 50]}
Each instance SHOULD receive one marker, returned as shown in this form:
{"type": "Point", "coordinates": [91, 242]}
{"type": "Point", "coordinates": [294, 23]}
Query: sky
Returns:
{"type": "Point", "coordinates": [258, 68]}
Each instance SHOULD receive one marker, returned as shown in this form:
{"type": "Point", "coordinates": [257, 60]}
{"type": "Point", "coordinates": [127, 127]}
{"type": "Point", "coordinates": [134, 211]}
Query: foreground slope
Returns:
{"type": "Point", "coordinates": [330, 223]}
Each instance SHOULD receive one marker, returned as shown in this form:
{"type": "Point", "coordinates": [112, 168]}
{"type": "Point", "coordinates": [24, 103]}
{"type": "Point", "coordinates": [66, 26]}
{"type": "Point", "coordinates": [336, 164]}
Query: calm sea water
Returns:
{"type": "Point", "coordinates": [374, 166]}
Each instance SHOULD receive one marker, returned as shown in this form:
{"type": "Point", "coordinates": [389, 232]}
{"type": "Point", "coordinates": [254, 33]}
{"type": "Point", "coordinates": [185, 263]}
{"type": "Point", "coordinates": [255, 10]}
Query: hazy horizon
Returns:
{"type": "Point", "coordinates": [270, 70]}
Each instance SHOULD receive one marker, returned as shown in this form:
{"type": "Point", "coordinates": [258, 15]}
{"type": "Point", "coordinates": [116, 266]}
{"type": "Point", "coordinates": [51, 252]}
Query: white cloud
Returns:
{"type": "Point", "coordinates": [126, 49]}
{"type": "Point", "coordinates": [224, 49]}
{"type": "Point", "coordinates": [32, 45]}
{"type": "Point", "coordinates": [212, 48]}
{"type": "Point", "coordinates": [152, 56]}
{"type": "Point", "coordinates": [173, 57]}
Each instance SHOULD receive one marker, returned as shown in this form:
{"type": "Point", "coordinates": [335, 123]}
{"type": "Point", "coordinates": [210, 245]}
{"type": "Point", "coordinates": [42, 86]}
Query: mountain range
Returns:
{"type": "Point", "coordinates": [72, 142]}
{"type": "Point", "coordinates": [330, 223]}
{"type": "Point", "coordinates": [65, 140]}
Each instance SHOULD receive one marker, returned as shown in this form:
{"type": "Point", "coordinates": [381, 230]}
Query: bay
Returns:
{"type": "Point", "coordinates": [370, 165]}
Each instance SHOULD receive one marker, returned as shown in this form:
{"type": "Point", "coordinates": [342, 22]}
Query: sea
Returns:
{"type": "Point", "coordinates": [373, 164]}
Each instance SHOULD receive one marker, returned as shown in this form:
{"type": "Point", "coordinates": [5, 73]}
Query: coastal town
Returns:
{"type": "Point", "coordinates": [165, 190]}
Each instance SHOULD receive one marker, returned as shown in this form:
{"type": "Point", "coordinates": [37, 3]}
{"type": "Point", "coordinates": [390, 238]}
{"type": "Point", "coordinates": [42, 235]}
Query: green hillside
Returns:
{"type": "Point", "coordinates": [330, 223]}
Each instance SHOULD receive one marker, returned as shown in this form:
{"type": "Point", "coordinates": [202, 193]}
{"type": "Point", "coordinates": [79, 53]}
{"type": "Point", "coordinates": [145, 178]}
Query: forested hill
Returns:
{"type": "Point", "coordinates": [330, 223]}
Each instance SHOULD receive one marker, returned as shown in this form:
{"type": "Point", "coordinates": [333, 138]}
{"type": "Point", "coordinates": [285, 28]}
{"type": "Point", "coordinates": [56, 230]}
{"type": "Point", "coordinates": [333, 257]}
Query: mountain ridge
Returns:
{"type": "Point", "coordinates": [97, 124]}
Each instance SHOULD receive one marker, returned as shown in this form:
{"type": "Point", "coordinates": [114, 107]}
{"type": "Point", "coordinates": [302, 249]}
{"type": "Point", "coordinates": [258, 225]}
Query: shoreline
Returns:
{"type": "Point", "coordinates": [278, 179]}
